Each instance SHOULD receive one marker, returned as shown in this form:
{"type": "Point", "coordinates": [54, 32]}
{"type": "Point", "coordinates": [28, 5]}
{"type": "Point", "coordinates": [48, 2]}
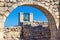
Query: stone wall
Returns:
{"type": "Point", "coordinates": [29, 33]}
{"type": "Point", "coordinates": [12, 33]}
{"type": "Point", "coordinates": [6, 6]}
{"type": "Point", "coordinates": [36, 33]}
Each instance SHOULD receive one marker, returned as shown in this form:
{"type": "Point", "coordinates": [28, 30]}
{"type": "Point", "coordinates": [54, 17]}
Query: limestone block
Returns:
{"type": "Point", "coordinates": [6, 4]}
{"type": "Point", "coordinates": [1, 0]}
{"type": "Point", "coordinates": [42, 1]}
{"type": "Point", "coordinates": [37, 0]}
{"type": "Point", "coordinates": [57, 16]}
{"type": "Point", "coordinates": [50, 10]}
{"type": "Point", "coordinates": [40, 4]}
{"type": "Point", "coordinates": [47, 0]}
{"type": "Point", "coordinates": [10, 33]}
{"type": "Point", "coordinates": [57, 2]}
{"type": "Point", "coordinates": [1, 12]}
{"type": "Point", "coordinates": [13, 0]}
{"type": "Point", "coordinates": [19, 3]}
{"type": "Point", "coordinates": [2, 4]}
{"type": "Point", "coordinates": [9, 4]}
{"type": "Point", "coordinates": [47, 4]}
{"type": "Point", "coordinates": [57, 25]}
{"type": "Point", "coordinates": [1, 25]}
{"type": "Point", "coordinates": [16, 39]}
{"type": "Point", "coordinates": [20, 0]}
{"type": "Point", "coordinates": [1, 35]}
{"type": "Point", "coordinates": [6, 13]}
{"type": "Point", "coordinates": [55, 8]}
{"type": "Point", "coordinates": [1, 29]}
{"type": "Point", "coordinates": [47, 7]}
{"type": "Point", "coordinates": [1, 17]}
{"type": "Point", "coordinates": [54, 0]}
{"type": "Point", "coordinates": [13, 7]}
{"type": "Point", "coordinates": [57, 13]}
{"type": "Point", "coordinates": [17, 34]}
{"type": "Point", "coordinates": [57, 20]}
{"type": "Point", "coordinates": [3, 8]}
{"type": "Point", "coordinates": [31, 0]}
{"type": "Point", "coordinates": [7, 0]}
{"type": "Point", "coordinates": [5, 36]}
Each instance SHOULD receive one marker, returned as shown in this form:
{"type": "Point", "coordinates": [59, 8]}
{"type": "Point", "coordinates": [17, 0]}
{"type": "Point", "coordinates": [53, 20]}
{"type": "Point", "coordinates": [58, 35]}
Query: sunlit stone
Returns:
{"type": "Point", "coordinates": [2, 4]}
{"type": "Point", "coordinates": [1, 0]}
{"type": "Point", "coordinates": [12, 0]}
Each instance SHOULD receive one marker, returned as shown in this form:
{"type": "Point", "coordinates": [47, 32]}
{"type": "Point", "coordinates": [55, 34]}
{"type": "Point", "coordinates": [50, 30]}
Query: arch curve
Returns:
{"type": "Point", "coordinates": [51, 20]}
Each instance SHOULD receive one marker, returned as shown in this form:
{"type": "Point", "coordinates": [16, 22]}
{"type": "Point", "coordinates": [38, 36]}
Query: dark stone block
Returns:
{"type": "Point", "coordinates": [36, 33]}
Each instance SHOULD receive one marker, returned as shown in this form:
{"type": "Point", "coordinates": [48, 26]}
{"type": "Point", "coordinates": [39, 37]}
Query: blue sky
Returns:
{"type": "Point", "coordinates": [12, 19]}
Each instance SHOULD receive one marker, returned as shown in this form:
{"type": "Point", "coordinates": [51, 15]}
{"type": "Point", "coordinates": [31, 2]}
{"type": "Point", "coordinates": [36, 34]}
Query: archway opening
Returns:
{"type": "Point", "coordinates": [51, 21]}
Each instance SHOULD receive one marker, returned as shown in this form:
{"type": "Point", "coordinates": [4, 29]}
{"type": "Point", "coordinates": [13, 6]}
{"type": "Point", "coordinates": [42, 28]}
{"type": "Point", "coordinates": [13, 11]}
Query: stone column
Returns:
{"type": "Point", "coordinates": [1, 27]}
{"type": "Point", "coordinates": [31, 17]}
{"type": "Point", "coordinates": [21, 18]}
{"type": "Point", "coordinates": [53, 30]}
{"type": "Point", "coordinates": [53, 35]}
{"type": "Point", "coordinates": [59, 13]}
{"type": "Point", "coordinates": [58, 33]}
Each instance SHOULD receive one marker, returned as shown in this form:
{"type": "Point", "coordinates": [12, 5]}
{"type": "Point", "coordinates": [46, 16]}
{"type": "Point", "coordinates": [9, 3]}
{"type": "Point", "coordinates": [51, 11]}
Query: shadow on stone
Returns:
{"type": "Point", "coordinates": [58, 33]}
{"type": "Point", "coordinates": [35, 33]}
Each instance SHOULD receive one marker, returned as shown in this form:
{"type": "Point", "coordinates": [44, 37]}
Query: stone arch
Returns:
{"type": "Point", "coordinates": [28, 2]}
{"type": "Point", "coordinates": [51, 20]}
{"type": "Point", "coordinates": [50, 17]}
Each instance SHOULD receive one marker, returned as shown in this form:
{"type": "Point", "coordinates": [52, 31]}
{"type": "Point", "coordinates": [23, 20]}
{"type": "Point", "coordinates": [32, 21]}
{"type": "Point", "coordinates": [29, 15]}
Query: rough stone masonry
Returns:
{"type": "Point", "coordinates": [6, 6]}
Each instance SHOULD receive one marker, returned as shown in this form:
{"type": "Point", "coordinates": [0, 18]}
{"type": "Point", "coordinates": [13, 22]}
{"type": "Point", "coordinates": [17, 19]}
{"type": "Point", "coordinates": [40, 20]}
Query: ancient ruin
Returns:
{"type": "Point", "coordinates": [50, 8]}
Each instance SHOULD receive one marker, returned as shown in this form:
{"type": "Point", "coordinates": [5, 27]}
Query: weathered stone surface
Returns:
{"type": "Point", "coordinates": [57, 13]}
{"type": "Point", "coordinates": [54, 0]}
{"type": "Point", "coordinates": [1, 0]}
{"type": "Point", "coordinates": [47, 7]}
{"type": "Point", "coordinates": [3, 8]}
{"type": "Point", "coordinates": [13, 7]}
{"type": "Point", "coordinates": [1, 35]}
{"type": "Point", "coordinates": [1, 24]}
{"type": "Point", "coordinates": [13, 0]}
{"type": "Point", "coordinates": [1, 17]}
{"type": "Point", "coordinates": [57, 16]}
{"type": "Point", "coordinates": [14, 33]}
{"type": "Point", "coordinates": [6, 13]}
{"type": "Point", "coordinates": [47, 0]}
{"type": "Point", "coordinates": [1, 12]}
{"type": "Point", "coordinates": [29, 33]}
{"type": "Point", "coordinates": [7, 0]}
{"type": "Point", "coordinates": [47, 4]}
{"type": "Point", "coordinates": [20, 0]}
{"type": "Point", "coordinates": [9, 4]}
{"type": "Point", "coordinates": [2, 4]}
{"type": "Point", "coordinates": [35, 33]}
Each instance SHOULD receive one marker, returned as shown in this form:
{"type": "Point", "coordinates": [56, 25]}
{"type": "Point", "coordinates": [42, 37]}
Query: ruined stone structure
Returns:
{"type": "Point", "coordinates": [30, 17]}
{"type": "Point", "coordinates": [29, 33]}
{"type": "Point", "coordinates": [21, 17]}
{"type": "Point", "coordinates": [49, 7]}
